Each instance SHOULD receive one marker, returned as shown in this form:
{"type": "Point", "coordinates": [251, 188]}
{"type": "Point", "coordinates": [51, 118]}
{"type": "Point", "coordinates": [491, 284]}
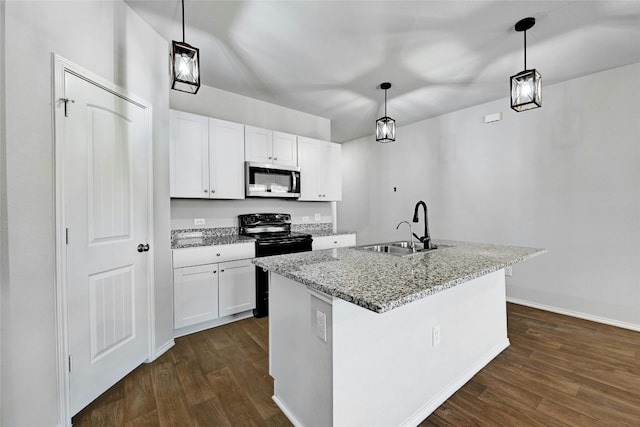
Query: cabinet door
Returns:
{"type": "Point", "coordinates": [285, 149]}
{"type": "Point", "coordinates": [237, 287]}
{"type": "Point", "coordinates": [258, 144]}
{"type": "Point", "coordinates": [310, 163]}
{"type": "Point", "coordinates": [226, 160]}
{"type": "Point", "coordinates": [332, 172]}
{"type": "Point", "coordinates": [189, 155]}
{"type": "Point", "coordinates": [195, 294]}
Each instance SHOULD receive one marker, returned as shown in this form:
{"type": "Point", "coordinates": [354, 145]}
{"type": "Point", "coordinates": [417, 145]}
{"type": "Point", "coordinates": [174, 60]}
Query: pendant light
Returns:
{"type": "Point", "coordinates": [185, 69]}
{"type": "Point", "coordinates": [526, 86]}
{"type": "Point", "coordinates": [385, 126]}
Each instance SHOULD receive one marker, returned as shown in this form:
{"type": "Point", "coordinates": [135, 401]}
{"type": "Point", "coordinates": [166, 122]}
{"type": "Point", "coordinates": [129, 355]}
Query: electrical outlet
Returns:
{"type": "Point", "coordinates": [508, 271]}
{"type": "Point", "coordinates": [321, 325]}
{"type": "Point", "coordinates": [435, 336]}
{"type": "Point", "coordinates": [198, 221]}
{"type": "Point", "coordinates": [317, 217]}
{"type": "Point", "coordinates": [305, 219]}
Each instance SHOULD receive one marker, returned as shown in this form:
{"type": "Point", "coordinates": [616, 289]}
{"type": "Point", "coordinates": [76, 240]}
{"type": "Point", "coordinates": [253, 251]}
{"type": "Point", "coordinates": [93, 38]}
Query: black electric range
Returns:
{"type": "Point", "coordinates": [273, 235]}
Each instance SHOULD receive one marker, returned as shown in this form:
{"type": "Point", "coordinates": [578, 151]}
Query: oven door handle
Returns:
{"type": "Point", "coordinates": [283, 242]}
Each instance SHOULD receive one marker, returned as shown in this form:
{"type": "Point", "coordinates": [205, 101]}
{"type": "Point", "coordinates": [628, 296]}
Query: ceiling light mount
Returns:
{"type": "Point", "coordinates": [526, 86]}
{"type": "Point", "coordinates": [185, 68]}
{"type": "Point", "coordinates": [385, 126]}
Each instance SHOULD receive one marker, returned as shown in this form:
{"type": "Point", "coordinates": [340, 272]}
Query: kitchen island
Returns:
{"type": "Point", "coordinates": [358, 338]}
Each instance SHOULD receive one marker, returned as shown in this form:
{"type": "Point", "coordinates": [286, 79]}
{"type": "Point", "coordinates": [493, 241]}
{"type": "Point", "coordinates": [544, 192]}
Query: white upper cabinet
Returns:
{"type": "Point", "coordinates": [267, 146]}
{"type": "Point", "coordinates": [226, 160]}
{"type": "Point", "coordinates": [320, 170]}
{"type": "Point", "coordinates": [207, 157]}
{"type": "Point", "coordinates": [189, 156]}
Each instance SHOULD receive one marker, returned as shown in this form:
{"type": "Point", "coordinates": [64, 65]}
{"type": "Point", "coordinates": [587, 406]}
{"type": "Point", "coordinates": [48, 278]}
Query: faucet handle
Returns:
{"type": "Point", "coordinates": [419, 238]}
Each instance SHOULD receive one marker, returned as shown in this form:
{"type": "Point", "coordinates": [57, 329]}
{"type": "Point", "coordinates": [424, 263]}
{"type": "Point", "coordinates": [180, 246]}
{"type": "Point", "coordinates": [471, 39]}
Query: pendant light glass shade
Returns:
{"type": "Point", "coordinates": [186, 67]}
{"type": "Point", "coordinates": [185, 64]}
{"type": "Point", "coordinates": [526, 86]}
{"type": "Point", "coordinates": [526, 90]}
{"type": "Point", "coordinates": [385, 126]}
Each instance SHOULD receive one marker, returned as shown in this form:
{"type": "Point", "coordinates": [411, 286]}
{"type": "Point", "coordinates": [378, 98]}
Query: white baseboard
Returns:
{"type": "Point", "coordinates": [579, 315]}
{"type": "Point", "coordinates": [211, 324]}
{"type": "Point", "coordinates": [162, 350]}
{"type": "Point", "coordinates": [454, 386]}
{"type": "Point", "coordinates": [286, 412]}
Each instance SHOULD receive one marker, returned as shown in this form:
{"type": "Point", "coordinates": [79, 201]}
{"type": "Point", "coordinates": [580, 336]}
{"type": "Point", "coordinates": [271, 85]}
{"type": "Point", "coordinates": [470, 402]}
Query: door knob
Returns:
{"type": "Point", "coordinates": [143, 248]}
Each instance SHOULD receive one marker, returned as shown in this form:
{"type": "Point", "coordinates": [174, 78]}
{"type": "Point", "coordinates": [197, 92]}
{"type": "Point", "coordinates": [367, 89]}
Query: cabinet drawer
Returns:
{"type": "Point", "coordinates": [337, 241]}
{"type": "Point", "coordinates": [212, 254]}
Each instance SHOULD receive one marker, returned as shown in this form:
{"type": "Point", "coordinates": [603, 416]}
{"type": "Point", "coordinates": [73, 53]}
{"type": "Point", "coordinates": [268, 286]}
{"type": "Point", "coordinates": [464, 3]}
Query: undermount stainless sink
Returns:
{"type": "Point", "coordinates": [399, 248]}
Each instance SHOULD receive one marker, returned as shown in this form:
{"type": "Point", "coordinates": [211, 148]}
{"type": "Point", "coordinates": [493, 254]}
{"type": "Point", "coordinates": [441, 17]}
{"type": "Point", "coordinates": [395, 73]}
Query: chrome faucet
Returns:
{"type": "Point", "coordinates": [426, 239]}
{"type": "Point", "coordinates": [413, 245]}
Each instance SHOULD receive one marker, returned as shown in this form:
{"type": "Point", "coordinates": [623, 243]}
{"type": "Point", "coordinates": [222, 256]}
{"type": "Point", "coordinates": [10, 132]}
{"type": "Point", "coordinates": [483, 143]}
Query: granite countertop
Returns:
{"type": "Point", "coordinates": [196, 237]}
{"type": "Point", "coordinates": [324, 233]}
{"type": "Point", "coordinates": [381, 282]}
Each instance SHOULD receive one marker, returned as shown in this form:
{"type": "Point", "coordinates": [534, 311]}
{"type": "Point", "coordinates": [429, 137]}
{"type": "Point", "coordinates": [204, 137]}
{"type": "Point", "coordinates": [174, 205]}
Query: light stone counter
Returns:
{"type": "Point", "coordinates": [382, 282]}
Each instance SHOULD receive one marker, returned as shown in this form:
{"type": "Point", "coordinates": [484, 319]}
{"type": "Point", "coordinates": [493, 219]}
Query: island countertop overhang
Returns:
{"type": "Point", "coordinates": [382, 282]}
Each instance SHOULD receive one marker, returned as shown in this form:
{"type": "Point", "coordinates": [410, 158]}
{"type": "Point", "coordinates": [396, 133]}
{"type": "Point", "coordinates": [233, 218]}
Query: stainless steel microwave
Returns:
{"type": "Point", "coordinates": [267, 180]}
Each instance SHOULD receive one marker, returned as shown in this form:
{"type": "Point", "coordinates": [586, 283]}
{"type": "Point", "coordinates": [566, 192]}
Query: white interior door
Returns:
{"type": "Point", "coordinates": [106, 209]}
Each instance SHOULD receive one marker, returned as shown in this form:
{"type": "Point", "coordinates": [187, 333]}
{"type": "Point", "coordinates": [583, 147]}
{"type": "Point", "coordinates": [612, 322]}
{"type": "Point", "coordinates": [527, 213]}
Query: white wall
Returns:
{"type": "Point", "coordinates": [224, 105]}
{"type": "Point", "coordinates": [4, 261]}
{"type": "Point", "coordinates": [564, 177]}
{"type": "Point", "coordinates": [107, 38]}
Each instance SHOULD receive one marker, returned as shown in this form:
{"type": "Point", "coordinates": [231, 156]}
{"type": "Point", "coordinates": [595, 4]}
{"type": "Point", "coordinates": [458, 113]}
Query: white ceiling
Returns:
{"type": "Point", "coordinates": [328, 58]}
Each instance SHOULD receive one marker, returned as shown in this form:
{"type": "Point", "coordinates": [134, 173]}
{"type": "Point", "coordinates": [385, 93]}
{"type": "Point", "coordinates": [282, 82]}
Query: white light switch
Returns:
{"type": "Point", "coordinates": [317, 217]}
{"type": "Point", "coordinates": [321, 325]}
{"type": "Point", "coordinates": [198, 221]}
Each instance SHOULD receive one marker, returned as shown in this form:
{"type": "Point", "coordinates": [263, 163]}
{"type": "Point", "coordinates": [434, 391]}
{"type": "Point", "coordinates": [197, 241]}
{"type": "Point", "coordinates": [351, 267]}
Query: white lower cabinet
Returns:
{"type": "Point", "coordinates": [236, 287]}
{"type": "Point", "coordinates": [335, 241]}
{"type": "Point", "coordinates": [195, 294]}
{"type": "Point", "coordinates": [204, 290]}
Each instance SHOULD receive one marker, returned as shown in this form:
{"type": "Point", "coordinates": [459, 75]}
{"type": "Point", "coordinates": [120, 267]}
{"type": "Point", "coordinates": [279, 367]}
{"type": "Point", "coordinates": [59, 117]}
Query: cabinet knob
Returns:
{"type": "Point", "coordinates": [335, 242]}
{"type": "Point", "coordinates": [215, 271]}
{"type": "Point", "coordinates": [206, 191]}
{"type": "Point", "coordinates": [213, 191]}
{"type": "Point", "coordinates": [217, 254]}
{"type": "Point", "coordinates": [270, 157]}
{"type": "Point", "coordinates": [275, 158]}
{"type": "Point", "coordinates": [221, 271]}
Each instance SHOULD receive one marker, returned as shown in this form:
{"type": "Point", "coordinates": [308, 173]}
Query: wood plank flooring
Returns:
{"type": "Point", "coordinates": [558, 371]}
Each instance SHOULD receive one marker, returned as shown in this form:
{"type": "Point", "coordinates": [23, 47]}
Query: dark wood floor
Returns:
{"type": "Point", "coordinates": [558, 371]}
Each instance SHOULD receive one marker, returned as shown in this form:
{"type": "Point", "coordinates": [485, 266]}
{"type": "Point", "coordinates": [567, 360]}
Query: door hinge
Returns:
{"type": "Point", "coordinates": [66, 101]}
{"type": "Point", "coordinates": [66, 235]}
{"type": "Point", "coordinates": [70, 366]}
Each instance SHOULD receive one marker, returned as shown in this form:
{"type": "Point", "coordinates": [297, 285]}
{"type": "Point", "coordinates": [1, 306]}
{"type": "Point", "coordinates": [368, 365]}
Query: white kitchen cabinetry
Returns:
{"type": "Point", "coordinates": [189, 155]}
{"type": "Point", "coordinates": [207, 157]}
{"type": "Point", "coordinates": [236, 286]}
{"type": "Point", "coordinates": [212, 282]}
{"type": "Point", "coordinates": [335, 241]}
{"type": "Point", "coordinates": [226, 160]}
{"type": "Point", "coordinates": [267, 146]}
{"type": "Point", "coordinates": [195, 293]}
{"type": "Point", "coordinates": [320, 170]}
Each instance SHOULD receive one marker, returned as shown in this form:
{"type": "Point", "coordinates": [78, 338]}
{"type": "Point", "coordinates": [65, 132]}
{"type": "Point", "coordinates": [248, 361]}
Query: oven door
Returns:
{"type": "Point", "coordinates": [268, 248]}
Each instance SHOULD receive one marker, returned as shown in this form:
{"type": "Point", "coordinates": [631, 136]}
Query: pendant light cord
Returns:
{"type": "Point", "coordinates": [183, 31]}
{"type": "Point", "coordinates": [385, 103]}
{"type": "Point", "coordinates": [525, 48]}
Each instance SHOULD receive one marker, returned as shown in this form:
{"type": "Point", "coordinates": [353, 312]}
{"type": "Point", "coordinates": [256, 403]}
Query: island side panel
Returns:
{"type": "Point", "coordinates": [386, 370]}
{"type": "Point", "coordinates": [299, 360]}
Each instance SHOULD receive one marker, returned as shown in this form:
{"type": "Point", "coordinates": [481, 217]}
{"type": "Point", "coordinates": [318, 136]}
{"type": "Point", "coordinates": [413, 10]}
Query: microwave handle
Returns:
{"type": "Point", "coordinates": [294, 187]}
